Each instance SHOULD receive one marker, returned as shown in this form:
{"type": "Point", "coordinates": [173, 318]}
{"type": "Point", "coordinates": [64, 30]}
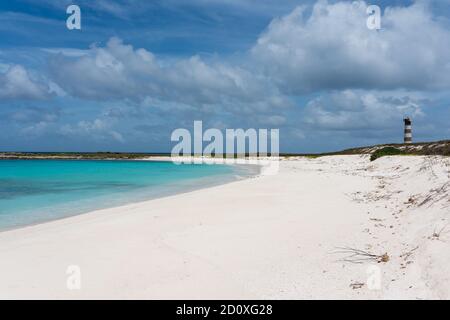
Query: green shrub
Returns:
{"type": "Point", "coordinates": [386, 151]}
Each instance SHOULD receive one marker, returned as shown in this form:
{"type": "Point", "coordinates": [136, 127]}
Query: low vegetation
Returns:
{"type": "Point", "coordinates": [76, 155]}
{"type": "Point", "coordinates": [441, 148]}
{"type": "Point", "coordinates": [386, 151]}
{"type": "Point", "coordinates": [437, 148]}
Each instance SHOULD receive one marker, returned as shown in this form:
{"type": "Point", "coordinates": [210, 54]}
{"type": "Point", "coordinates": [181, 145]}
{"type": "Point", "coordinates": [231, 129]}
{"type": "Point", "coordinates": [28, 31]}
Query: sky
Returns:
{"type": "Point", "coordinates": [137, 70]}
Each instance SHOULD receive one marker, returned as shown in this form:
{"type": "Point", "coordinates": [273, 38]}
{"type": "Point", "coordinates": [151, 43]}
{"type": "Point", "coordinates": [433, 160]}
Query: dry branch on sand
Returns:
{"type": "Point", "coordinates": [437, 234]}
{"type": "Point", "coordinates": [436, 195]}
{"type": "Point", "coordinates": [361, 256]}
{"type": "Point", "coordinates": [409, 253]}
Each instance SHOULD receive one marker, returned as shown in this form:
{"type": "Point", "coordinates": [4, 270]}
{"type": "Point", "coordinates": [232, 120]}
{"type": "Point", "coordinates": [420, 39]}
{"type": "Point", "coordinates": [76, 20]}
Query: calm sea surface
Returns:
{"type": "Point", "coordinates": [34, 191]}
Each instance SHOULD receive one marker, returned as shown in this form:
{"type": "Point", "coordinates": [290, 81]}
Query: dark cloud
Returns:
{"type": "Point", "coordinates": [35, 114]}
{"type": "Point", "coordinates": [360, 111]}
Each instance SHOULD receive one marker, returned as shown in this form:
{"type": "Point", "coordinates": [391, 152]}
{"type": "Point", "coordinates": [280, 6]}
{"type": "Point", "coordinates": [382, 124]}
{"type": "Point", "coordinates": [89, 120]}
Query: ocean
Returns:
{"type": "Point", "coordinates": [35, 191]}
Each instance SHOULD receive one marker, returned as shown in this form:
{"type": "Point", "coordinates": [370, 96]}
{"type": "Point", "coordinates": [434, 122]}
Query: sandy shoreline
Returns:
{"type": "Point", "coordinates": [273, 236]}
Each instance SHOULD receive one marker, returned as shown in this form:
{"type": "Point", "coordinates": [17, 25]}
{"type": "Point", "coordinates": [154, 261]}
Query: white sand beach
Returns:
{"type": "Point", "coordinates": [275, 236]}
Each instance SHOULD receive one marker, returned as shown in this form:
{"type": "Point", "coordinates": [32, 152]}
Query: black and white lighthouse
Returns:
{"type": "Point", "coordinates": [408, 130]}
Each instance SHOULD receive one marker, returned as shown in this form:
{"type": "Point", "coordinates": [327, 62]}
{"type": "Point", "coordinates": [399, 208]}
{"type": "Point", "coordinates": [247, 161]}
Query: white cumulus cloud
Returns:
{"type": "Point", "coordinates": [332, 48]}
{"type": "Point", "coordinates": [17, 83]}
{"type": "Point", "coordinates": [119, 71]}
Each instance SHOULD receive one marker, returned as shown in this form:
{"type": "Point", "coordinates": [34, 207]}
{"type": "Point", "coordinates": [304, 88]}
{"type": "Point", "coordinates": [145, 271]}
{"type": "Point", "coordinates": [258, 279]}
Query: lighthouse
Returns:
{"type": "Point", "coordinates": [408, 131]}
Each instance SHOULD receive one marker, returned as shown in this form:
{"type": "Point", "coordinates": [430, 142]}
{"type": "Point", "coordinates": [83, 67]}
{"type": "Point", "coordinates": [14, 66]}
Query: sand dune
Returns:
{"type": "Point", "coordinates": [293, 235]}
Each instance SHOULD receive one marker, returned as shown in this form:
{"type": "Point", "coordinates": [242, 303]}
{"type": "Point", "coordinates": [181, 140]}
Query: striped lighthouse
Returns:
{"type": "Point", "coordinates": [408, 131]}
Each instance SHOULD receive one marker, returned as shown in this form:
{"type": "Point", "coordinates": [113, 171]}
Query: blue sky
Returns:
{"type": "Point", "coordinates": [137, 70]}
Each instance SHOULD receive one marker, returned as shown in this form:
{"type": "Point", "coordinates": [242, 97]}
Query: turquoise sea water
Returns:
{"type": "Point", "coordinates": [33, 191]}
